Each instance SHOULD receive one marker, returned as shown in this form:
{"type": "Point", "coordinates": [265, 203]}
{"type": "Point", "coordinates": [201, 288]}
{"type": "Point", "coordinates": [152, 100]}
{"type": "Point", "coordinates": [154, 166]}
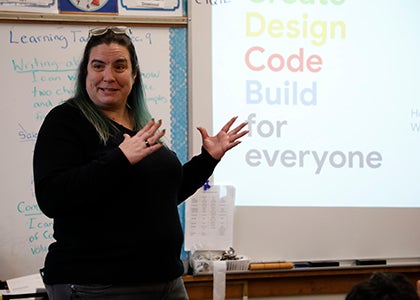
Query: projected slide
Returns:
{"type": "Point", "coordinates": [331, 93]}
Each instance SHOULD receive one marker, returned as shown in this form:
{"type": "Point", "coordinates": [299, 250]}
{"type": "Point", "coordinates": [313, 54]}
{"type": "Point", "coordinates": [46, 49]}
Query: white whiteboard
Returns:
{"type": "Point", "coordinates": [38, 64]}
{"type": "Point", "coordinates": [288, 232]}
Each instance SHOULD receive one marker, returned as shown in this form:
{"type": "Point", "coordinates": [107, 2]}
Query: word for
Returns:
{"type": "Point", "coordinates": [336, 159]}
{"type": "Point", "coordinates": [317, 31]}
{"type": "Point", "coordinates": [323, 2]}
{"type": "Point", "coordinates": [264, 128]}
{"type": "Point", "coordinates": [286, 95]}
{"type": "Point", "coordinates": [255, 60]}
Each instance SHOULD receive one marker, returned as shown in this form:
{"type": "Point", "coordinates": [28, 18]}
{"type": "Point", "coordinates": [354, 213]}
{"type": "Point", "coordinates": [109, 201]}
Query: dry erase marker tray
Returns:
{"type": "Point", "coordinates": [202, 261]}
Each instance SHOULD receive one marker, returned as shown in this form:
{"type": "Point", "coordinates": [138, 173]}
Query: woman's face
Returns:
{"type": "Point", "coordinates": [109, 76]}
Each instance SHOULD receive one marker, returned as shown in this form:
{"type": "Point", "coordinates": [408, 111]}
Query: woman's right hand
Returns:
{"type": "Point", "coordinates": [143, 143]}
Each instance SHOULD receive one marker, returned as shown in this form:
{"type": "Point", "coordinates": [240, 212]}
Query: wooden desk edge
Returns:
{"type": "Point", "coordinates": [307, 281]}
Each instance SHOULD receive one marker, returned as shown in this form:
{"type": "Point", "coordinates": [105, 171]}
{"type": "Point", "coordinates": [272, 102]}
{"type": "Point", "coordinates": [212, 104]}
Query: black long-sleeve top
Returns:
{"type": "Point", "coordinates": [113, 222]}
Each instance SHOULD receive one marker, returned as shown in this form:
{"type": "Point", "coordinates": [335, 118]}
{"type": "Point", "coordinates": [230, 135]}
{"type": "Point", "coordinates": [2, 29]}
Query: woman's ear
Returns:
{"type": "Point", "coordinates": [135, 71]}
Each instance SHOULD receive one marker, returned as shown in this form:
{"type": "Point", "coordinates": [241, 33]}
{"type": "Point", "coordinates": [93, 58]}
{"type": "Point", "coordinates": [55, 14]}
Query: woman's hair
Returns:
{"type": "Point", "coordinates": [135, 101]}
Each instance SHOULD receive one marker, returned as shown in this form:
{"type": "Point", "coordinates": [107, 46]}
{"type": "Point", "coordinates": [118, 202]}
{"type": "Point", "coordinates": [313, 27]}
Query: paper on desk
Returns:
{"type": "Point", "coordinates": [219, 280]}
{"type": "Point", "coordinates": [209, 219]}
{"type": "Point", "coordinates": [26, 284]}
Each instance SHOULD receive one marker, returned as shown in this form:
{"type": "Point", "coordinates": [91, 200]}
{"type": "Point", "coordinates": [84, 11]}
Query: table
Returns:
{"type": "Point", "coordinates": [305, 281]}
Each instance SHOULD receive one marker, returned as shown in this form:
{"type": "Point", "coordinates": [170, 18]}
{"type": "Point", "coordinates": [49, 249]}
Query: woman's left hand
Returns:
{"type": "Point", "coordinates": [225, 140]}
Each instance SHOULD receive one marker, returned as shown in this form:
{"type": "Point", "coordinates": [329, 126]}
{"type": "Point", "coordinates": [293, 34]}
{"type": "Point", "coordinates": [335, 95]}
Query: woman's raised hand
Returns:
{"type": "Point", "coordinates": [143, 143]}
{"type": "Point", "coordinates": [225, 140]}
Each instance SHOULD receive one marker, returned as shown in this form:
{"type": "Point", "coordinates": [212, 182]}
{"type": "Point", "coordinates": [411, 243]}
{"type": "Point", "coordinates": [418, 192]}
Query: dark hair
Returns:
{"type": "Point", "coordinates": [384, 286]}
{"type": "Point", "coordinates": [135, 101]}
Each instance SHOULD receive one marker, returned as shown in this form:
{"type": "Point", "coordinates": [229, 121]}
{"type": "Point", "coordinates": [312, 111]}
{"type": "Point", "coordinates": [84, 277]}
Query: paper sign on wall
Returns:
{"type": "Point", "coordinates": [209, 218]}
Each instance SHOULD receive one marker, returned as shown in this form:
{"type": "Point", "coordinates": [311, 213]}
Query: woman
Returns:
{"type": "Point", "coordinates": [110, 184]}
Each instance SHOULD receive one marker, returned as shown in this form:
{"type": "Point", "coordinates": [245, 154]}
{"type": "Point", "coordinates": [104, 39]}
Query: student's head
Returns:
{"type": "Point", "coordinates": [384, 286]}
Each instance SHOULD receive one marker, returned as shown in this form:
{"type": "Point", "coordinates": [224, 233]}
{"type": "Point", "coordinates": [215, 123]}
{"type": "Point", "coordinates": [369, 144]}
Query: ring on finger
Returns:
{"type": "Point", "coordinates": [147, 143]}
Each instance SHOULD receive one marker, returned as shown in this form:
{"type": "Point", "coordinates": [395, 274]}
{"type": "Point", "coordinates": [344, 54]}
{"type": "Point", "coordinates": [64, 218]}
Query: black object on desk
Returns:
{"type": "Point", "coordinates": [370, 262]}
{"type": "Point", "coordinates": [317, 264]}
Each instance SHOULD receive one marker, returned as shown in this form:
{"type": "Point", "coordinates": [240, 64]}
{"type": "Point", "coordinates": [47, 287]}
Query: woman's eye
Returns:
{"type": "Point", "coordinates": [97, 66]}
{"type": "Point", "coordinates": [120, 68]}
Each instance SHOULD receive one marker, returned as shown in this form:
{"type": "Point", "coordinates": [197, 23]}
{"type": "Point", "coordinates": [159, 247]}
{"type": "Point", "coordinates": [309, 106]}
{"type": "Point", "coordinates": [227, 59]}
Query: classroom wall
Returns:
{"type": "Point", "coordinates": [260, 233]}
{"type": "Point", "coordinates": [39, 63]}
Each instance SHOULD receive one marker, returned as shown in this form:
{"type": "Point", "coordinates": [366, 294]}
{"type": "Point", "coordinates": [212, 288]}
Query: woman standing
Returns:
{"type": "Point", "coordinates": [110, 184]}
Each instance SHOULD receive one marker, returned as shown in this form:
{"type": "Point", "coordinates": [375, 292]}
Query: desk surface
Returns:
{"type": "Point", "coordinates": [307, 281]}
{"type": "Point", "coordinates": [41, 295]}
